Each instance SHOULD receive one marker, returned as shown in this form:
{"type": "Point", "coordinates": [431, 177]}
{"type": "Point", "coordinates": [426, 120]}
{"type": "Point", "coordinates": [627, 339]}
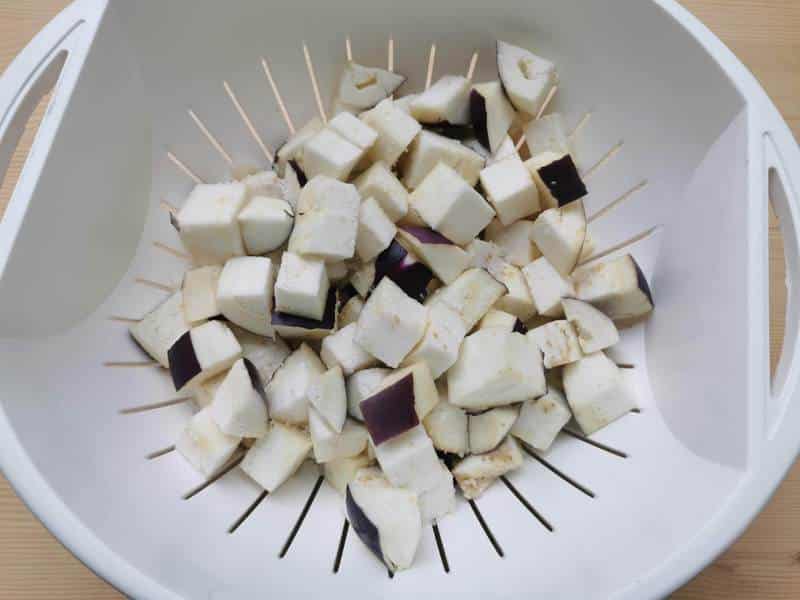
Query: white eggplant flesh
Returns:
{"type": "Point", "coordinates": [274, 458]}
{"type": "Point", "coordinates": [488, 429]}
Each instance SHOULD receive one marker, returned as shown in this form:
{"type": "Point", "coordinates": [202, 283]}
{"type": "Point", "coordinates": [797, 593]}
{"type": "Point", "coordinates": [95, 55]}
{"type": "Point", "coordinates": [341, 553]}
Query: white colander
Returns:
{"type": "Point", "coordinates": [654, 498]}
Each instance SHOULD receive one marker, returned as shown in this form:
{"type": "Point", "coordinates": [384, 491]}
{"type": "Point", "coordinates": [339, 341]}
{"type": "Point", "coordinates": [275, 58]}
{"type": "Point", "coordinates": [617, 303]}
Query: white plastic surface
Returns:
{"type": "Point", "coordinates": [709, 447]}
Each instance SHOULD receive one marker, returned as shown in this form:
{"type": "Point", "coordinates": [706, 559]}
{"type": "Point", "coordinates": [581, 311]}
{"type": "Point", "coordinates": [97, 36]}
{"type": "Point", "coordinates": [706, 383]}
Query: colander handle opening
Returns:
{"type": "Point", "coordinates": [51, 61]}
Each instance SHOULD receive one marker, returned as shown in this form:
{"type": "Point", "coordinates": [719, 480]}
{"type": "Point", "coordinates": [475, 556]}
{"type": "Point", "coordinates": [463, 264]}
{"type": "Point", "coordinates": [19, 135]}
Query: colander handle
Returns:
{"type": "Point", "coordinates": [51, 61]}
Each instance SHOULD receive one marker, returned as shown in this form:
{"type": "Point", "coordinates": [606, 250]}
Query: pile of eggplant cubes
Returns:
{"type": "Point", "coordinates": [399, 301]}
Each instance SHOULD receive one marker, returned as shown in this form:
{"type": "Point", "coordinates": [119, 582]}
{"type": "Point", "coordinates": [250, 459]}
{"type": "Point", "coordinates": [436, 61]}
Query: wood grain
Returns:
{"type": "Point", "coordinates": [763, 564]}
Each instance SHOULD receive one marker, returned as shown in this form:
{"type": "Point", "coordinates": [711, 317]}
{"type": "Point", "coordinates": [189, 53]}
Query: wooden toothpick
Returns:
{"type": "Point", "coordinates": [248, 123]}
{"type": "Point", "coordinates": [210, 137]}
{"type": "Point", "coordinates": [314, 85]}
{"type": "Point", "coordinates": [278, 98]}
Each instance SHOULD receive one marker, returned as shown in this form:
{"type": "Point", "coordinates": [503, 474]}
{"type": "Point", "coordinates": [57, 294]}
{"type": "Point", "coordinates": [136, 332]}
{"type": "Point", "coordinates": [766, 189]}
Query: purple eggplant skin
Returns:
{"type": "Point", "coordinates": [454, 132]}
{"type": "Point", "coordinates": [328, 320]}
{"type": "Point", "coordinates": [391, 411]}
{"type": "Point", "coordinates": [563, 180]}
{"type": "Point", "coordinates": [346, 293]}
{"type": "Point", "coordinates": [183, 363]}
{"type": "Point", "coordinates": [641, 282]}
{"type": "Point", "coordinates": [477, 114]}
{"type": "Point", "coordinates": [519, 327]}
{"type": "Point", "coordinates": [410, 275]}
{"type": "Point", "coordinates": [426, 235]}
{"type": "Point", "coordinates": [364, 528]}
{"type": "Point", "coordinates": [255, 379]}
{"type": "Point", "coordinates": [301, 175]}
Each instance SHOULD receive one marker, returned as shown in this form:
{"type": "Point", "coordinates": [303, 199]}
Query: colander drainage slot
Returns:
{"type": "Point", "coordinates": [440, 547]}
{"type": "Point", "coordinates": [301, 518]}
{"type": "Point", "coordinates": [337, 561]}
{"type": "Point", "coordinates": [159, 453]}
{"type": "Point", "coordinates": [581, 488]}
{"type": "Point", "coordinates": [172, 251]}
{"type": "Point", "coordinates": [156, 285]}
{"type": "Point", "coordinates": [524, 501]}
{"type": "Point", "coordinates": [246, 514]}
{"type": "Point", "coordinates": [476, 511]}
{"type": "Point", "coordinates": [130, 363]}
{"type": "Point", "coordinates": [591, 442]}
{"type": "Point", "coordinates": [232, 463]}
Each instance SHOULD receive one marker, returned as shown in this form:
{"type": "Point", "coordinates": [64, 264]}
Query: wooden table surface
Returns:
{"type": "Point", "coordinates": [763, 564]}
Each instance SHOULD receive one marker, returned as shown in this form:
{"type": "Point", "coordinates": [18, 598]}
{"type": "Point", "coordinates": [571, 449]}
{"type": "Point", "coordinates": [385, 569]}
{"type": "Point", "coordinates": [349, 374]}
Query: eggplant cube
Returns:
{"type": "Point", "coordinates": [244, 293]}
{"type": "Point", "coordinates": [498, 318]}
{"type": "Point", "coordinates": [511, 190]}
{"type": "Point", "coordinates": [517, 299]}
{"type": "Point", "coordinates": [438, 348]}
{"type": "Point", "coordinates": [380, 183]}
{"type": "Point", "coordinates": [375, 230]}
{"type": "Point", "coordinates": [595, 330]}
{"type": "Point", "coordinates": [447, 100]}
{"type": "Point", "coordinates": [362, 385]}
{"type": "Point", "coordinates": [302, 286]}
{"type": "Point", "coordinates": [204, 445]}
{"type": "Point", "coordinates": [476, 473]}
{"type": "Point", "coordinates": [547, 287]}
{"type": "Point", "coordinates": [354, 130]}
{"type": "Point", "coordinates": [288, 392]}
{"type": "Point", "coordinates": [208, 224]}
{"type": "Point", "coordinates": [596, 392]}
{"type": "Point", "coordinates": [616, 286]}
{"type": "Point", "coordinates": [330, 154]}
{"type": "Point", "coordinates": [204, 392]}
{"type": "Point", "coordinates": [547, 134]}
{"type": "Point", "coordinates": [340, 349]}
{"type": "Point", "coordinates": [448, 204]}
{"type": "Point", "coordinates": [534, 164]}
{"type": "Point", "coordinates": [491, 114]}
{"type": "Point", "coordinates": [390, 411]}
{"type": "Point", "coordinates": [240, 405]}
{"type": "Point", "coordinates": [541, 419]}
{"type": "Point", "coordinates": [275, 457]}
{"type": "Point", "coordinates": [447, 427]}
{"type": "Point", "coordinates": [200, 293]}
{"type": "Point", "coordinates": [363, 87]}
{"type": "Point", "coordinates": [396, 130]}
{"type": "Point", "coordinates": [391, 323]}
{"type": "Point", "coordinates": [339, 472]}
{"type": "Point", "coordinates": [429, 149]}
{"type": "Point", "coordinates": [160, 328]}
{"type": "Point", "coordinates": [201, 353]}
{"type": "Point", "coordinates": [266, 224]}
{"type": "Point", "coordinates": [328, 396]}
{"type": "Point", "coordinates": [363, 279]}
{"type": "Point", "coordinates": [495, 368]}
{"type": "Point", "coordinates": [488, 429]}
{"type": "Point", "coordinates": [440, 500]}
{"type": "Point", "coordinates": [507, 149]}
{"type": "Point", "coordinates": [515, 241]}
{"type": "Point", "coordinates": [349, 313]}
{"type": "Point", "coordinates": [409, 460]}
{"type": "Point", "coordinates": [441, 255]}
{"type": "Point", "coordinates": [330, 445]}
{"type": "Point", "coordinates": [558, 342]}
{"type": "Point", "coordinates": [425, 394]}
{"type": "Point", "coordinates": [471, 295]}
{"type": "Point", "coordinates": [559, 234]}
{"type": "Point", "coordinates": [293, 148]}
{"type": "Point", "coordinates": [264, 183]}
{"type": "Point", "coordinates": [327, 220]}
{"type": "Point", "coordinates": [526, 78]}
{"type": "Point", "coordinates": [386, 518]}
{"type": "Point", "coordinates": [267, 355]}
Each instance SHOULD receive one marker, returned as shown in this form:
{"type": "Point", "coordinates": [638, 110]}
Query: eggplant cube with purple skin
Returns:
{"type": "Point", "coordinates": [201, 353]}
{"type": "Point", "coordinates": [207, 222]}
{"type": "Point", "coordinates": [331, 445]}
{"type": "Point", "coordinates": [438, 348]}
{"type": "Point", "coordinates": [340, 349]}
{"type": "Point", "coordinates": [559, 234]}
{"type": "Point", "coordinates": [429, 149]}
{"type": "Point", "coordinates": [386, 518]}
{"type": "Point", "coordinates": [495, 368]}
{"type": "Point", "coordinates": [595, 330]}
{"type": "Point", "coordinates": [396, 130]}
{"type": "Point", "coordinates": [615, 286]}
{"type": "Point", "coordinates": [244, 293]}
{"type": "Point", "coordinates": [380, 183]}
{"type": "Point", "coordinates": [471, 296]}
{"type": "Point", "coordinates": [200, 293]}
{"type": "Point", "coordinates": [491, 114]}
{"type": "Point", "coordinates": [390, 411]}
{"type": "Point", "coordinates": [204, 445]}
{"type": "Point", "coordinates": [403, 267]}
{"type": "Point", "coordinates": [302, 286]}
{"type": "Point", "coordinates": [476, 473]}
{"type": "Point", "coordinates": [288, 394]}
{"type": "Point", "coordinates": [291, 326]}
{"type": "Point", "coordinates": [425, 394]}
{"type": "Point", "coordinates": [511, 190]}
{"type": "Point", "coordinates": [442, 256]}
{"type": "Point", "coordinates": [328, 397]}
{"type": "Point", "coordinates": [159, 329]}
{"type": "Point", "coordinates": [541, 419]}
{"type": "Point", "coordinates": [327, 220]}
{"type": "Point", "coordinates": [375, 230]}
{"type": "Point", "coordinates": [448, 204]}
{"type": "Point", "coordinates": [275, 457]}
{"type": "Point", "coordinates": [391, 323]}
{"type": "Point", "coordinates": [596, 392]}
{"type": "Point", "coordinates": [488, 429]}
{"type": "Point", "coordinates": [558, 342]}
{"type": "Point", "coordinates": [547, 287]}
{"type": "Point", "coordinates": [240, 404]}
{"type": "Point", "coordinates": [360, 386]}
{"type": "Point", "coordinates": [266, 223]}
{"type": "Point", "coordinates": [446, 101]}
